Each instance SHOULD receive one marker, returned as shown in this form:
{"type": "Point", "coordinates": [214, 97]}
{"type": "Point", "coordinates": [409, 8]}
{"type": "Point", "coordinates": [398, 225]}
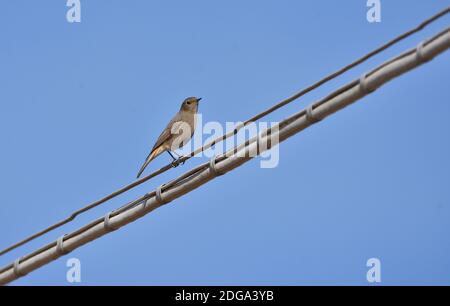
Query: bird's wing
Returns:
{"type": "Point", "coordinates": [167, 133]}
{"type": "Point", "coordinates": [156, 150]}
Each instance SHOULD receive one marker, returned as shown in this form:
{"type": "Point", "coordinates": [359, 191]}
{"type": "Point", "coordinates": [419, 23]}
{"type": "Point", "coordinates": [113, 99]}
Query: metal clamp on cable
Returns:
{"type": "Point", "coordinates": [60, 246]}
{"type": "Point", "coordinates": [419, 53]}
{"type": "Point", "coordinates": [365, 89]}
{"type": "Point", "coordinates": [107, 223]}
{"type": "Point", "coordinates": [158, 196]}
{"type": "Point", "coordinates": [213, 167]}
{"type": "Point", "coordinates": [310, 117]}
{"type": "Point", "coordinates": [16, 269]}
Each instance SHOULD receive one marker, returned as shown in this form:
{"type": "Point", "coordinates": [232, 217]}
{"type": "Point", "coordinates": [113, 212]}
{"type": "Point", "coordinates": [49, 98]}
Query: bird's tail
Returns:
{"type": "Point", "coordinates": [151, 157]}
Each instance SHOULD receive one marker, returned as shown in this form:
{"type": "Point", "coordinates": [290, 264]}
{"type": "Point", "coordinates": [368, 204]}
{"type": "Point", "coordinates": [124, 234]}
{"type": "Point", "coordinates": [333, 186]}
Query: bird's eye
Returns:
{"type": "Point", "coordinates": [188, 102]}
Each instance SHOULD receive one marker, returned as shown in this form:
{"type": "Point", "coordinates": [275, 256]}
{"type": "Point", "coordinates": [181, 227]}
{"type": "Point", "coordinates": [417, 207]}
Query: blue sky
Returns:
{"type": "Point", "coordinates": [81, 105]}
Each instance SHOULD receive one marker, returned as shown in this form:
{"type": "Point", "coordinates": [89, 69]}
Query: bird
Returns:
{"type": "Point", "coordinates": [177, 133]}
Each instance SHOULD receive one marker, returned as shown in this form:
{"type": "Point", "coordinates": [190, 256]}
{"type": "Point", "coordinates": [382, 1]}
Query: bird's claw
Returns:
{"type": "Point", "coordinates": [177, 162]}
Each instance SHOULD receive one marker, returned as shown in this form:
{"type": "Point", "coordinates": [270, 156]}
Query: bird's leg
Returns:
{"type": "Point", "coordinates": [179, 157]}
{"type": "Point", "coordinates": [176, 161]}
{"type": "Point", "coordinates": [171, 155]}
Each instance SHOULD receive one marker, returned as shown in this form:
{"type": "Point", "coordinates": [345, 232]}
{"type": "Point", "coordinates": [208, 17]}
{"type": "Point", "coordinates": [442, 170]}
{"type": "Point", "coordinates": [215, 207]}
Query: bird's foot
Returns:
{"type": "Point", "coordinates": [177, 162]}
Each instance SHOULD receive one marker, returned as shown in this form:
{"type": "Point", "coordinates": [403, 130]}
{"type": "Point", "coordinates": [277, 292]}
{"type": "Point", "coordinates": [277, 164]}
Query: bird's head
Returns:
{"type": "Point", "coordinates": [190, 104]}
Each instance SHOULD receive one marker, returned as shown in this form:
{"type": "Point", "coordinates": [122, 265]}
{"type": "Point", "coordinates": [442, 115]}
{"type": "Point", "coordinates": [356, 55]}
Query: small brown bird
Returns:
{"type": "Point", "coordinates": [177, 133]}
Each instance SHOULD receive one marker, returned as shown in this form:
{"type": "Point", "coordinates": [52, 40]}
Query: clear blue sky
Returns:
{"type": "Point", "coordinates": [81, 105]}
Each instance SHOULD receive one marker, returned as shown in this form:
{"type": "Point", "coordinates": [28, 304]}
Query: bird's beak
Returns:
{"type": "Point", "coordinates": [199, 99]}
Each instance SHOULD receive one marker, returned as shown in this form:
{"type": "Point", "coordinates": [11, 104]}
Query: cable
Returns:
{"type": "Point", "coordinates": [226, 136]}
{"type": "Point", "coordinates": [202, 174]}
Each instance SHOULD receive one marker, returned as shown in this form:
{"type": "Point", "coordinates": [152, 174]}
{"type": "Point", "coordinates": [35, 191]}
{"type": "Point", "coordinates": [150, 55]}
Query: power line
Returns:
{"type": "Point", "coordinates": [230, 134]}
{"type": "Point", "coordinates": [202, 174]}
